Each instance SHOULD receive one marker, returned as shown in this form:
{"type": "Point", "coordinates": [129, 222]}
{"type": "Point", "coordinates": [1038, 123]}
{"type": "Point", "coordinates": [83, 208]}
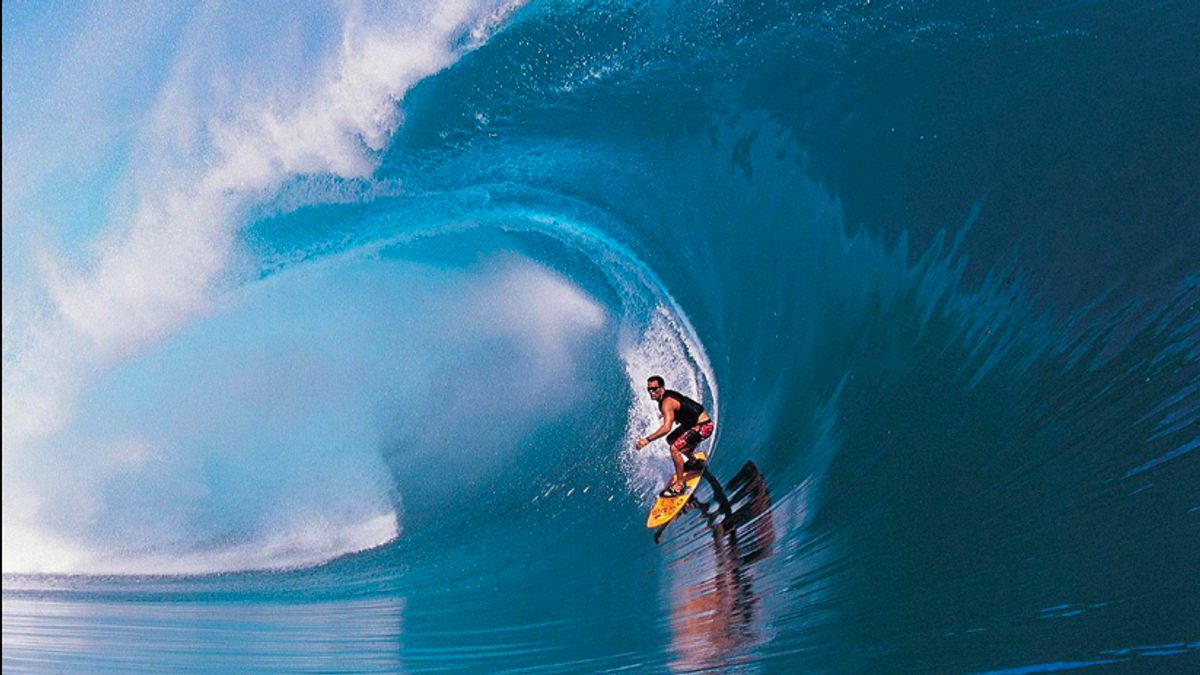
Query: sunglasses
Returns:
{"type": "Point", "coordinates": [652, 389]}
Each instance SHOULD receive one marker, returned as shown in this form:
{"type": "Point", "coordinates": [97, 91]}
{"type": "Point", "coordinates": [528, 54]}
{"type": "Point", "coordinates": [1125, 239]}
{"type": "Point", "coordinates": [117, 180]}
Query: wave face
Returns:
{"type": "Point", "coordinates": [326, 333]}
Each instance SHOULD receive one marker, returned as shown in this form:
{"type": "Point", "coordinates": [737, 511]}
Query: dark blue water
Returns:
{"type": "Point", "coordinates": [933, 267]}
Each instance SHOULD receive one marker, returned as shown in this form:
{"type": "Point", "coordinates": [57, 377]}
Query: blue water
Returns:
{"type": "Point", "coordinates": [326, 332]}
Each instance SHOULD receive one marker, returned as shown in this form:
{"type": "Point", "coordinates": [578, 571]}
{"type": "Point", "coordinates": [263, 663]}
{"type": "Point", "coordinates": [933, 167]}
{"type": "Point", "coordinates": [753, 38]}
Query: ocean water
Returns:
{"type": "Point", "coordinates": [326, 328]}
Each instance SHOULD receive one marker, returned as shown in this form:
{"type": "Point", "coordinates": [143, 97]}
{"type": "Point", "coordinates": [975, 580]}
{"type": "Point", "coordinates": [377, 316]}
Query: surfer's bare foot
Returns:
{"type": "Point", "coordinates": [674, 489]}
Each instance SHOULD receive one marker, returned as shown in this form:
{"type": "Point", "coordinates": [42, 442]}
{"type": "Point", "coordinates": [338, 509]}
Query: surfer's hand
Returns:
{"type": "Point", "coordinates": [642, 443]}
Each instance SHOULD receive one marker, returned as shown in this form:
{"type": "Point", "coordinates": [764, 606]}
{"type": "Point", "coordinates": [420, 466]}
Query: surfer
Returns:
{"type": "Point", "coordinates": [694, 426]}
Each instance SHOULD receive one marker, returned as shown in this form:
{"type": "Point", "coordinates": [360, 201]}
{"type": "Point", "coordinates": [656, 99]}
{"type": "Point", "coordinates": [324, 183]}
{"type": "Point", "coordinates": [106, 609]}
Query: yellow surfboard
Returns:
{"type": "Point", "coordinates": [666, 508]}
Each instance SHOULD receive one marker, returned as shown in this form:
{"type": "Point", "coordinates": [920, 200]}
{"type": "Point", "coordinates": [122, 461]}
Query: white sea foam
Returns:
{"type": "Point", "coordinates": [222, 134]}
{"type": "Point", "coordinates": [306, 544]}
{"type": "Point", "coordinates": [318, 93]}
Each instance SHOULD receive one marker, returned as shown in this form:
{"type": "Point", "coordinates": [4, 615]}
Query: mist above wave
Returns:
{"type": "Point", "coordinates": [256, 438]}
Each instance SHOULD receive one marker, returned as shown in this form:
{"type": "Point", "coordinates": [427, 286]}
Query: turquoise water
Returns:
{"type": "Point", "coordinates": [326, 332]}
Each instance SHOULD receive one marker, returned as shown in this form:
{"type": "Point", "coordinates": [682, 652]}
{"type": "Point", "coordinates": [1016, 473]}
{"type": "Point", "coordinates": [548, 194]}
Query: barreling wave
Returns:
{"type": "Point", "coordinates": [396, 339]}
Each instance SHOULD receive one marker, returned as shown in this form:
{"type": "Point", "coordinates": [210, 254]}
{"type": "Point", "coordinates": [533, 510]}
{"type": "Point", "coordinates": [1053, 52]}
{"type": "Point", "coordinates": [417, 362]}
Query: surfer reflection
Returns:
{"type": "Point", "coordinates": [712, 619]}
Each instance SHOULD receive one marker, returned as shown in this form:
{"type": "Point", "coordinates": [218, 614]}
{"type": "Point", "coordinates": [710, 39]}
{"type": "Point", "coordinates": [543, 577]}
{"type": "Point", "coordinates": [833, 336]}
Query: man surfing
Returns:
{"type": "Point", "coordinates": [694, 426]}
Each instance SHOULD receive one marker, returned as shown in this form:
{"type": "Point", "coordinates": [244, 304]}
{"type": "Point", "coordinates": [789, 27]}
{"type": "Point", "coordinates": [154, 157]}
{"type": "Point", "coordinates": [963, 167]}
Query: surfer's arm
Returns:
{"type": "Point", "coordinates": [668, 412]}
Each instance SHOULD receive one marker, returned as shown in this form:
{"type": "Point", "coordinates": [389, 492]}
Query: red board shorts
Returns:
{"type": "Point", "coordinates": [688, 441]}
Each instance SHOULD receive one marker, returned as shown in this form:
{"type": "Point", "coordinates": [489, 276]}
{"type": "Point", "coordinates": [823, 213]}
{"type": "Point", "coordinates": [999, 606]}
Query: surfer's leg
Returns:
{"type": "Point", "coordinates": [677, 460]}
{"type": "Point", "coordinates": [686, 444]}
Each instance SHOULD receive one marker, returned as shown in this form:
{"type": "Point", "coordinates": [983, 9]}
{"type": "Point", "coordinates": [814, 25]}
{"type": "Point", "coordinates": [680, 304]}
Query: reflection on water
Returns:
{"type": "Point", "coordinates": [718, 616]}
{"type": "Point", "coordinates": [69, 636]}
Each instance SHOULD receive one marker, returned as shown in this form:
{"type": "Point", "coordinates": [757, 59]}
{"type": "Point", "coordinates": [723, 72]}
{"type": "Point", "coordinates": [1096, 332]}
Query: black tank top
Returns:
{"type": "Point", "coordinates": [689, 411]}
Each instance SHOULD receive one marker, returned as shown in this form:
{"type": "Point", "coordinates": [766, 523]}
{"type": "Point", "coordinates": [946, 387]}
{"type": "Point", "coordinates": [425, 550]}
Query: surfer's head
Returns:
{"type": "Point", "coordinates": [656, 386]}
